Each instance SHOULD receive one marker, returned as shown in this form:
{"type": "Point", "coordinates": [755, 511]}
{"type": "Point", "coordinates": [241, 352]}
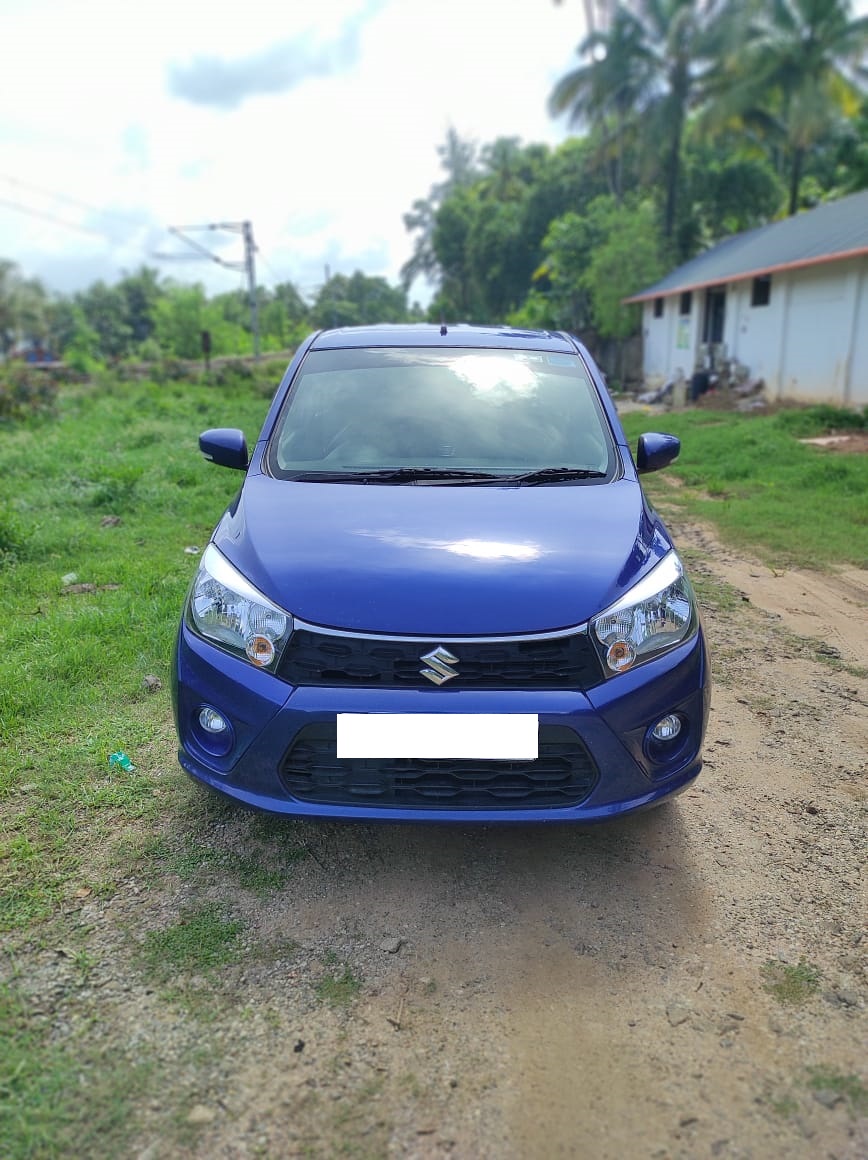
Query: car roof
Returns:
{"type": "Point", "coordinates": [448, 335]}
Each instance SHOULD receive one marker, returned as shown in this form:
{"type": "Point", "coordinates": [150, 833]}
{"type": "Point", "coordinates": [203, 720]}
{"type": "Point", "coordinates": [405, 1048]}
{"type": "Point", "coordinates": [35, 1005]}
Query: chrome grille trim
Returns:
{"type": "Point", "coordinates": [576, 630]}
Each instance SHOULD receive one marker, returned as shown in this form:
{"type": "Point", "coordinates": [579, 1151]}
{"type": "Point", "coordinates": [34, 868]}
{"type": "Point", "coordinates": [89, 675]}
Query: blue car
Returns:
{"type": "Point", "coordinates": [441, 593]}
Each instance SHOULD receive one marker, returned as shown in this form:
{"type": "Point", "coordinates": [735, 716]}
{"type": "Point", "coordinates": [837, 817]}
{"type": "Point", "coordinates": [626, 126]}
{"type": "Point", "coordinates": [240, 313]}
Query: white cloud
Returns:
{"type": "Point", "coordinates": [325, 135]}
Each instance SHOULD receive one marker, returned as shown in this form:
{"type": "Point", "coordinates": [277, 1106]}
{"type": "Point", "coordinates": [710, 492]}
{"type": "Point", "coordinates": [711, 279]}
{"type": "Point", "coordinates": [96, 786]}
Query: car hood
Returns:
{"type": "Point", "coordinates": [440, 560]}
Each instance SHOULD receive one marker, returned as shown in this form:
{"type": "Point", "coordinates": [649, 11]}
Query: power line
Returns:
{"type": "Point", "coordinates": [270, 268]}
{"type": "Point", "coordinates": [55, 196]}
{"type": "Point", "coordinates": [50, 217]}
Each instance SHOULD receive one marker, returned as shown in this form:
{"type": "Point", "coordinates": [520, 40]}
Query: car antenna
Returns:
{"type": "Point", "coordinates": [443, 330]}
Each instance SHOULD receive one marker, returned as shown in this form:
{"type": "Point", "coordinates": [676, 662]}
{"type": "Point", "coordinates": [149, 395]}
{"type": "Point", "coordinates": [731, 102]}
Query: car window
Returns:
{"type": "Point", "coordinates": [492, 410]}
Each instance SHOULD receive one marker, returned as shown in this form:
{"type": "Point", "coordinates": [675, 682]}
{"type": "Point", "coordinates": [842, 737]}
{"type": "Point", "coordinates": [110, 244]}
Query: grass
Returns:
{"type": "Point", "coordinates": [61, 1099]}
{"type": "Point", "coordinates": [789, 503]}
{"type": "Point", "coordinates": [850, 1087]}
{"type": "Point", "coordinates": [72, 665]}
{"type": "Point", "coordinates": [261, 869]}
{"type": "Point", "coordinates": [789, 984]}
{"type": "Point", "coordinates": [338, 988]}
{"type": "Point", "coordinates": [201, 941]}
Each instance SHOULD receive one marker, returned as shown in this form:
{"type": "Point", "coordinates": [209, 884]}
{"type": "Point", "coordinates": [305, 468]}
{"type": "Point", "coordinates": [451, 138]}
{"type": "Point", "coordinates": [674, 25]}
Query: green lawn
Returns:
{"type": "Point", "coordinates": [72, 663]}
{"type": "Point", "coordinates": [790, 503]}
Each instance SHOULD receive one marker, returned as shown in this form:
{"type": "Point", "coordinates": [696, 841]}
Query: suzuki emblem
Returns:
{"type": "Point", "coordinates": [439, 660]}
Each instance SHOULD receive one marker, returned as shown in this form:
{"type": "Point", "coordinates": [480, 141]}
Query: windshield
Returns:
{"type": "Point", "coordinates": [456, 411]}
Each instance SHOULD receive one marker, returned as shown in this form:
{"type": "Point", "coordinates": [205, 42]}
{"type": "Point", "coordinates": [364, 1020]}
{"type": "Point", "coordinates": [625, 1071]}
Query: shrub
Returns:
{"type": "Point", "coordinates": [26, 390]}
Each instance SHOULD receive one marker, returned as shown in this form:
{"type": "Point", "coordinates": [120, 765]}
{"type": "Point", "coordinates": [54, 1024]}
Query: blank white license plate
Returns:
{"type": "Point", "coordinates": [482, 736]}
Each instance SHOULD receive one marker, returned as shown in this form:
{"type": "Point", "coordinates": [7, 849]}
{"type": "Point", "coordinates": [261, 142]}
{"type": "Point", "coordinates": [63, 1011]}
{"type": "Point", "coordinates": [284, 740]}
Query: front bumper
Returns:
{"type": "Point", "coordinates": [612, 721]}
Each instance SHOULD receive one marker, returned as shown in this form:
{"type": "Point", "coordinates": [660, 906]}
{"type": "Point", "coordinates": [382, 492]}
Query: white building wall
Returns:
{"type": "Point", "coordinates": [733, 320]}
{"type": "Point", "coordinates": [857, 379]}
{"type": "Point", "coordinates": [684, 332]}
{"type": "Point", "coordinates": [809, 343]}
{"type": "Point", "coordinates": [655, 342]}
{"type": "Point", "coordinates": [818, 330]}
{"type": "Point", "coordinates": [757, 330]}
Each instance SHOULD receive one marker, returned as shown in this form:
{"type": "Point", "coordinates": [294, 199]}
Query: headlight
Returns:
{"type": "Point", "coordinates": [654, 616]}
{"type": "Point", "coordinates": [226, 608]}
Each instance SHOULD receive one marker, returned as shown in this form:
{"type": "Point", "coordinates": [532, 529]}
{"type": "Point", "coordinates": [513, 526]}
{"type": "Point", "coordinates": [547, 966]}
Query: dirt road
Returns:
{"type": "Point", "coordinates": [689, 982]}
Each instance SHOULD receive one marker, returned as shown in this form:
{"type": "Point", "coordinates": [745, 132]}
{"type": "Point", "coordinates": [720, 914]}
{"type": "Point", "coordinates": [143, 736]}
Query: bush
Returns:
{"type": "Point", "coordinates": [174, 370]}
{"type": "Point", "coordinates": [229, 373]}
{"type": "Point", "coordinates": [260, 378]}
{"type": "Point", "coordinates": [26, 390]}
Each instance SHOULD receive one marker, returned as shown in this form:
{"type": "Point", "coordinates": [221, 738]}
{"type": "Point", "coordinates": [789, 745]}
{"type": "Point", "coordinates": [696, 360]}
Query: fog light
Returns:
{"type": "Point", "coordinates": [212, 731]}
{"type": "Point", "coordinates": [212, 721]}
{"type": "Point", "coordinates": [667, 728]}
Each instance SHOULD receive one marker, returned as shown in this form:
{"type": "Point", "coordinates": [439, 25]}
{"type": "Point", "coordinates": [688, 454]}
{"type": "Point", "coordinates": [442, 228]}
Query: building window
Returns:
{"type": "Point", "coordinates": [658, 307]}
{"type": "Point", "coordinates": [686, 302]}
{"type": "Point", "coordinates": [761, 290]}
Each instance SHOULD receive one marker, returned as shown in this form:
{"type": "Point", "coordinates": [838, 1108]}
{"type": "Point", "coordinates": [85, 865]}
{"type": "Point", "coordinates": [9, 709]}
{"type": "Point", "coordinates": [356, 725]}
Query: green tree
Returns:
{"type": "Point", "coordinates": [591, 262]}
{"type": "Point", "coordinates": [669, 57]}
{"type": "Point", "coordinates": [625, 257]}
{"type": "Point", "coordinates": [23, 308]}
{"type": "Point", "coordinates": [609, 89]}
{"type": "Point", "coordinates": [486, 235]}
{"type": "Point", "coordinates": [180, 319]}
{"type": "Point", "coordinates": [458, 160]}
{"type": "Point", "coordinates": [560, 298]}
{"type": "Point", "coordinates": [75, 340]}
{"type": "Point", "coordinates": [105, 312]}
{"type": "Point", "coordinates": [140, 292]}
{"type": "Point", "coordinates": [357, 301]}
{"type": "Point", "coordinates": [283, 317]}
{"type": "Point", "coordinates": [726, 189]}
{"type": "Point", "coordinates": [801, 73]}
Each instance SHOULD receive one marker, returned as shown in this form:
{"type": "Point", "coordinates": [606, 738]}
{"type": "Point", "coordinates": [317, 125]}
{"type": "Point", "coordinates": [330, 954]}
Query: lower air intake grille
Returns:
{"type": "Point", "coordinates": [563, 775]}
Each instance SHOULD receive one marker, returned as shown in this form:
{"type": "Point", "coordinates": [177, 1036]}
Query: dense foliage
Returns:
{"type": "Point", "coordinates": [144, 317]}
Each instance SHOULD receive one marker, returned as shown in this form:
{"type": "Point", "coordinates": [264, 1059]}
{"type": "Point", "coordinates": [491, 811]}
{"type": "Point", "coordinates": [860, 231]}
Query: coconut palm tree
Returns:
{"type": "Point", "coordinates": [803, 69]}
{"type": "Point", "coordinates": [608, 90]}
{"type": "Point", "coordinates": [658, 60]}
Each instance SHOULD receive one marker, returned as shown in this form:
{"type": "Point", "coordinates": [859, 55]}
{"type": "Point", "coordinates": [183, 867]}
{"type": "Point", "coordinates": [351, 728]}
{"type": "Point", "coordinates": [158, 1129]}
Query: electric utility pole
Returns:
{"type": "Point", "coordinates": [248, 265]}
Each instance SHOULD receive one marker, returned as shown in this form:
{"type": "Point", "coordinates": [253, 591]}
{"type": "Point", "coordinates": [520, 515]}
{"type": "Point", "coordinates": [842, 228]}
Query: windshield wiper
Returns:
{"type": "Point", "coordinates": [396, 475]}
{"type": "Point", "coordinates": [554, 474]}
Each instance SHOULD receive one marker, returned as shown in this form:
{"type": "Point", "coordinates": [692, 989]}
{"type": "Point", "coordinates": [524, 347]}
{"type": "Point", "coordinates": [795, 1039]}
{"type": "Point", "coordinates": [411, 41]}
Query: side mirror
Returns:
{"type": "Point", "coordinates": [656, 450]}
{"type": "Point", "coordinates": [225, 446]}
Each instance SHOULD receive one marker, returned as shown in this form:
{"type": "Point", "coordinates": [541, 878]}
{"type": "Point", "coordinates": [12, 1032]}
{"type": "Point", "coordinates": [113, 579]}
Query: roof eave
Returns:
{"type": "Point", "coordinates": [758, 272]}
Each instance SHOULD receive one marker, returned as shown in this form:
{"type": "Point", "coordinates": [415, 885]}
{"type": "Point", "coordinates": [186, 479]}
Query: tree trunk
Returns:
{"type": "Point", "coordinates": [796, 180]}
{"type": "Point", "coordinates": [680, 86]}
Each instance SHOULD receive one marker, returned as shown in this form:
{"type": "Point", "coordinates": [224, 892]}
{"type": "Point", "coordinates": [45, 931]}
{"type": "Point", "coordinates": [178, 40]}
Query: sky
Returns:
{"type": "Point", "coordinates": [317, 121]}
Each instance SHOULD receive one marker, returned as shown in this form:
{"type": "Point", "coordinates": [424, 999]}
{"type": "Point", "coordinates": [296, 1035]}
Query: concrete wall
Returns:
{"type": "Point", "coordinates": [809, 343]}
{"type": "Point", "coordinates": [670, 342]}
{"type": "Point", "coordinates": [857, 376]}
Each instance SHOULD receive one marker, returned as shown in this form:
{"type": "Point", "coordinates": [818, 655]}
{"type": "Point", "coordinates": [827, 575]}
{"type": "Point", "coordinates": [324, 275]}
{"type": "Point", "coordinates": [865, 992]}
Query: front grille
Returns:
{"type": "Point", "coordinates": [563, 775]}
{"type": "Point", "coordinates": [561, 662]}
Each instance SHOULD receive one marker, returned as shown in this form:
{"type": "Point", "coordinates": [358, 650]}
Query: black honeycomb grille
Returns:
{"type": "Point", "coordinates": [563, 662]}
